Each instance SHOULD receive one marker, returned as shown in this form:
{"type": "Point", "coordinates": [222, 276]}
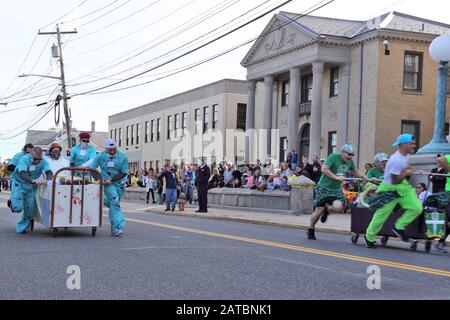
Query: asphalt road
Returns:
{"type": "Point", "coordinates": [170, 257]}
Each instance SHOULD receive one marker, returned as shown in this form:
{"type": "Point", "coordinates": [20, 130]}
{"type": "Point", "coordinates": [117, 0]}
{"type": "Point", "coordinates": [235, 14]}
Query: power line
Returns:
{"type": "Point", "coordinates": [99, 17]}
{"type": "Point", "coordinates": [117, 21]}
{"type": "Point", "coordinates": [133, 32]}
{"type": "Point", "coordinates": [187, 44]}
{"type": "Point", "coordinates": [93, 91]}
{"type": "Point", "coordinates": [194, 23]}
{"type": "Point", "coordinates": [53, 22]}
{"type": "Point", "coordinates": [190, 51]}
{"type": "Point", "coordinates": [87, 15]}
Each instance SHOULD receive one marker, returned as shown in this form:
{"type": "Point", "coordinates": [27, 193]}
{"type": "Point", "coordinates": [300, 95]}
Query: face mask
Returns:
{"type": "Point", "coordinates": [56, 154]}
{"type": "Point", "coordinates": [84, 145]}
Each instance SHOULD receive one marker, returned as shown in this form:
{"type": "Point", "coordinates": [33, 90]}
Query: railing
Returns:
{"type": "Point", "coordinates": [305, 109]}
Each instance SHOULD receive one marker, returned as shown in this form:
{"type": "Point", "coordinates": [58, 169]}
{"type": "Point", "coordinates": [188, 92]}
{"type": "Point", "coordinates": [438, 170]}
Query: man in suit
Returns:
{"type": "Point", "coordinates": [203, 175]}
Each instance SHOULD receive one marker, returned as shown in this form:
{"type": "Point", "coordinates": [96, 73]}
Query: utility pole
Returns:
{"type": "Point", "coordinates": [63, 79]}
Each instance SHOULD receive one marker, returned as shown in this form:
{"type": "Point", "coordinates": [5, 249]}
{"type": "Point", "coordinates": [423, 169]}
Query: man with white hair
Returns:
{"type": "Point", "coordinates": [114, 170]}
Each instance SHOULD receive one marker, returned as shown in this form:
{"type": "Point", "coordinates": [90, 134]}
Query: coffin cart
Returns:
{"type": "Point", "coordinates": [73, 199]}
{"type": "Point", "coordinates": [430, 225]}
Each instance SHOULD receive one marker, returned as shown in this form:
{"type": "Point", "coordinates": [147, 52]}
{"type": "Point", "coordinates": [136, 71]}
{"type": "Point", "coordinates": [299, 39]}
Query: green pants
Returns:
{"type": "Point", "coordinates": [407, 200]}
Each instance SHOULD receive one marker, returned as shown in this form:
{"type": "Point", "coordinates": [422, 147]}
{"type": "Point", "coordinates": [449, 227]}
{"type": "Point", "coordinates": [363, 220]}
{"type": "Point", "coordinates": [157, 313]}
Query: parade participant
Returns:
{"type": "Point", "coordinates": [82, 152]}
{"type": "Point", "coordinates": [397, 169]}
{"type": "Point", "coordinates": [329, 189]}
{"type": "Point", "coordinates": [169, 173]}
{"type": "Point", "coordinates": [12, 164]}
{"type": "Point", "coordinates": [204, 173]}
{"type": "Point", "coordinates": [114, 170]}
{"type": "Point", "coordinates": [377, 173]}
{"type": "Point", "coordinates": [27, 177]}
{"type": "Point", "coordinates": [56, 161]}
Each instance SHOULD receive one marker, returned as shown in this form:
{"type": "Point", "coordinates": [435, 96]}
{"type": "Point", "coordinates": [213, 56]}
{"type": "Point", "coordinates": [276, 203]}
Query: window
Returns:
{"type": "Point", "coordinates": [157, 165]}
{"type": "Point", "coordinates": [115, 134]}
{"type": "Point", "coordinates": [306, 88]}
{"type": "Point", "coordinates": [151, 165]}
{"type": "Point", "coordinates": [332, 142]}
{"type": "Point", "coordinates": [145, 165]}
{"type": "Point", "coordinates": [412, 76]}
{"type": "Point", "coordinates": [283, 149]}
{"type": "Point", "coordinates": [334, 82]}
{"type": "Point", "coordinates": [197, 121]}
{"type": "Point", "coordinates": [128, 136]}
{"type": "Point", "coordinates": [241, 116]}
{"type": "Point", "coordinates": [111, 136]}
{"type": "Point", "coordinates": [205, 119]}
{"type": "Point", "coordinates": [132, 134]}
{"type": "Point", "coordinates": [146, 131]}
{"type": "Point", "coordinates": [183, 124]}
{"type": "Point", "coordinates": [215, 119]}
{"type": "Point", "coordinates": [152, 130]}
{"type": "Point", "coordinates": [158, 129]}
{"type": "Point", "coordinates": [169, 127]}
{"type": "Point", "coordinates": [177, 124]}
{"type": "Point", "coordinates": [412, 127]}
{"type": "Point", "coordinates": [284, 93]}
{"type": "Point", "coordinates": [120, 137]}
{"type": "Point", "coordinates": [138, 126]}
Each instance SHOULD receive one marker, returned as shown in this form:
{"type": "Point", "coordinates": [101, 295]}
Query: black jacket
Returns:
{"type": "Point", "coordinates": [203, 175]}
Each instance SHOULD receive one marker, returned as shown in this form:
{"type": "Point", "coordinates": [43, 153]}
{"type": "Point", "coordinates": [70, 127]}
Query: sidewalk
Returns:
{"type": "Point", "coordinates": [336, 223]}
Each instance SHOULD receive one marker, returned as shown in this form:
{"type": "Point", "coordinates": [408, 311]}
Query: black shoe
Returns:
{"type": "Point", "coordinates": [167, 209]}
{"type": "Point", "coordinates": [198, 211]}
{"type": "Point", "coordinates": [401, 234]}
{"type": "Point", "coordinates": [9, 203]}
{"type": "Point", "coordinates": [311, 235]}
{"type": "Point", "coordinates": [154, 202]}
{"type": "Point", "coordinates": [173, 209]}
{"type": "Point", "coordinates": [324, 216]}
{"type": "Point", "coordinates": [370, 244]}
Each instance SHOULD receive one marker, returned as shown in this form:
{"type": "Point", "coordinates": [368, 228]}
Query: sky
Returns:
{"type": "Point", "coordinates": [119, 39]}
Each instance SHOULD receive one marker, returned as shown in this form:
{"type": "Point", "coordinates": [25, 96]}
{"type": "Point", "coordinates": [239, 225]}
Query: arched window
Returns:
{"type": "Point", "coordinates": [304, 140]}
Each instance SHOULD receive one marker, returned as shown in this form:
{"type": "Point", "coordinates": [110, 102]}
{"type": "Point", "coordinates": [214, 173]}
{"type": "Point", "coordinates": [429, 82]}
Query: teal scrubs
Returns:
{"type": "Point", "coordinates": [79, 156]}
{"type": "Point", "coordinates": [110, 167]}
{"type": "Point", "coordinates": [15, 161]}
{"type": "Point", "coordinates": [24, 196]}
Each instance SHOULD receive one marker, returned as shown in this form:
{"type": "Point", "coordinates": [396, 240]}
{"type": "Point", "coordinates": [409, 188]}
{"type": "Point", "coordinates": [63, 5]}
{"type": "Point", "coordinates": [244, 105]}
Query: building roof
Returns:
{"type": "Point", "coordinates": [351, 28]}
{"type": "Point", "coordinates": [40, 137]}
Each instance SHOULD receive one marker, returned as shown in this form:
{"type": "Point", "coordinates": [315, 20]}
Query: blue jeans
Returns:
{"type": "Point", "coordinates": [189, 192]}
{"type": "Point", "coordinates": [171, 197]}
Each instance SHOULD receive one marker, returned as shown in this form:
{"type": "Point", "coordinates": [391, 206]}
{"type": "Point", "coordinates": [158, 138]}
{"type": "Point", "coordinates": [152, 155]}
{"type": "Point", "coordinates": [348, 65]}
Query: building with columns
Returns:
{"type": "Point", "coordinates": [325, 82]}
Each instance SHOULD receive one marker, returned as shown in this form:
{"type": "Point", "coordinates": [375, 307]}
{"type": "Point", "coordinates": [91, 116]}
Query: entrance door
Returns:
{"type": "Point", "coordinates": [304, 141]}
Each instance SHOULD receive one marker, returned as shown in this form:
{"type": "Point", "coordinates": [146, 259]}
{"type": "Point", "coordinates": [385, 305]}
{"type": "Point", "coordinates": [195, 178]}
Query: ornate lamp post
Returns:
{"type": "Point", "coordinates": [440, 52]}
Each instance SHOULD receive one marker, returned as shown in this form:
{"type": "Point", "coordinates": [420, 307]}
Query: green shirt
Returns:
{"type": "Point", "coordinates": [447, 185]}
{"type": "Point", "coordinates": [375, 173]}
{"type": "Point", "coordinates": [339, 168]}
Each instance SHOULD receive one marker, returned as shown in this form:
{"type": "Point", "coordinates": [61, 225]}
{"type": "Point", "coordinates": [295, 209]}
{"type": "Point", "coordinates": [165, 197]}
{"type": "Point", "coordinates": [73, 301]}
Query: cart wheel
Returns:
{"type": "Point", "coordinates": [384, 240]}
{"type": "Point", "coordinates": [32, 225]}
{"type": "Point", "coordinates": [54, 232]}
{"type": "Point", "coordinates": [94, 230]}
{"type": "Point", "coordinates": [428, 246]}
{"type": "Point", "coordinates": [355, 238]}
{"type": "Point", "coordinates": [65, 228]}
{"type": "Point", "coordinates": [413, 245]}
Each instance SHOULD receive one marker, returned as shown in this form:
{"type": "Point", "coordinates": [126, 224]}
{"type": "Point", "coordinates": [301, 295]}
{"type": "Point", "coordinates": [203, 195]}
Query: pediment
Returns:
{"type": "Point", "coordinates": [276, 38]}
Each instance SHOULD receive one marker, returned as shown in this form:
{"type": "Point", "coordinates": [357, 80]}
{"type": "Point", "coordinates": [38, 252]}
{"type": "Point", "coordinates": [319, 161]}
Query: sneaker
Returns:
{"type": "Point", "coordinates": [311, 235]}
{"type": "Point", "coordinates": [440, 247]}
{"type": "Point", "coordinates": [9, 203]}
{"type": "Point", "coordinates": [370, 244]}
{"type": "Point", "coordinates": [167, 209]}
{"type": "Point", "coordinates": [324, 216]}
{"type": "Point", "coordinates": [401, 234]}
{"type": "Point", "coordinates": [117, 232]}
{"type": "Point", "coordinates": [173, 209]}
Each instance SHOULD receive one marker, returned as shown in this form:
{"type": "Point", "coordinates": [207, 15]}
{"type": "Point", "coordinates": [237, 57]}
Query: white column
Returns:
{"type": "Point", "coordinates": [274, 137]}
{"type": "Point", "coordinates": [267, 117]}
{"type": "Point", "coordinates": [343, 106]}
{"type": "Point", "coordinates": [293, 108]}
{"type": "Point", "coordinates": [250, 120]}
{"type": "Point", "coordinates": [316, 109]}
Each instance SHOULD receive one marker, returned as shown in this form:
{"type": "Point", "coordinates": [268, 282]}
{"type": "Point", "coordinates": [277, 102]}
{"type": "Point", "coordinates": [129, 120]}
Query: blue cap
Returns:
{"type": "Point", "coordinates": [404, 138]}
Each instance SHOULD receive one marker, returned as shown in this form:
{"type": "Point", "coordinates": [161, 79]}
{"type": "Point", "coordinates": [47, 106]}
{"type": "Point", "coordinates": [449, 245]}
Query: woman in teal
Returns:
{"type": "Point", "coordinates": [83, 152]}
{"type": "Point", "coordinates": [28, 173]}
{"type": "Point", "coordinates": [114, 170]}
{"type": "Point", "coordinates": [12, 164]}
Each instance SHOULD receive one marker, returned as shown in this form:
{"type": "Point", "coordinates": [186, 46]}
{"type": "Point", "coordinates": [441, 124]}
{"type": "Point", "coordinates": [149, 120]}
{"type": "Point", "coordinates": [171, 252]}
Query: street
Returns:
{"type": "Point", "coordinates": [171, 257]}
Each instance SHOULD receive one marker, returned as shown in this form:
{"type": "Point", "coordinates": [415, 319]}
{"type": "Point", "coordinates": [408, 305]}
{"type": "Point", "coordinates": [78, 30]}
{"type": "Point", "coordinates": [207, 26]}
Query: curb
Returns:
{"type": "Point", "coordinates": [244, 220]}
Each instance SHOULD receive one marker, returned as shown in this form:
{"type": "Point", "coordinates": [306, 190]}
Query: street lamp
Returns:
{"type": "Point", "coordinates": [440, 52]}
